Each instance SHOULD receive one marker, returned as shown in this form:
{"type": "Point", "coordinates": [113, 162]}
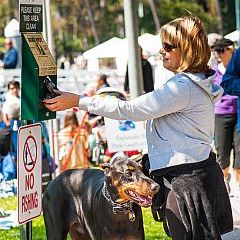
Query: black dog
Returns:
{"type": "Point", "coordinates": [91, 205]}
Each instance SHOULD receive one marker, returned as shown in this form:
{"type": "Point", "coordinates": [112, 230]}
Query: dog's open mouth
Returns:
{"type": "Point", "coordinates": [144, 201]}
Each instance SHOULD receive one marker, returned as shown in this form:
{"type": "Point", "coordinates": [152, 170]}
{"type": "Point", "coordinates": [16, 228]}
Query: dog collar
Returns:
{"type": "Point", "coordinates": [124, 208]}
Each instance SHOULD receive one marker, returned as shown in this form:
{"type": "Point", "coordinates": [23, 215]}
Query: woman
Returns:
{"type": "Point", "coordinates": [180, 123]}
{"type": "Point", "coordinates": [73, 144]}
{"type": "Point", "coordinates": [226, 136]}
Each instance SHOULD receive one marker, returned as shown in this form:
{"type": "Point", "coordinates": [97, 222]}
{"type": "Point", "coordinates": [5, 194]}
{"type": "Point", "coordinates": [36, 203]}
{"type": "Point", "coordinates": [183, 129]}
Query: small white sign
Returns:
{"type": "Point", "coordinates": [125, 135]}
{"type": "Point", "coordinates": [29, 172]}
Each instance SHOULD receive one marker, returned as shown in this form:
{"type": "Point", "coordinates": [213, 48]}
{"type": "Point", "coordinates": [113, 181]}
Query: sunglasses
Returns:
{"type": "Point", "coordinates": [221, 50]}
{"type": "Point", "coordinates": [168, 47]}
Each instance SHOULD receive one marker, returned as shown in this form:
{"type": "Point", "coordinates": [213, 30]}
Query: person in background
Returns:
{"type": "Point", "coordinates": [62, 61]}
{"type": "Point", "coordinates": [1, 56]}
{"type": "Point", "coordinates": [48, 164]}
{"type": "Point", "coordinates": [13, 93]}
{"type": "Point", "coordinates": [11, 118]}
{"type": "Point", "coordinates": [231, 78]}
{"type": "Point", "coordinates": [161, 74]}
{"type": "Point", "coordinates": [65, 135]}
{"type": "Point", "coordinates": [2, 124]}
{"type": "Point", "coordinates": [73, 144]}
{"type": "Point", "coordinates": [91, 138]}
{"type": "Point", "coordinates": [102, 81]}
{"type": "Point", "coordinates": [10, 58]}
{"type": "Point", "coordinates": [8, 138]}
{"type": "Point", "coordinates": [231, 85]}
{"type": "Point", "coordinates": [226, 136]}
{"type": "Point", "coordinates": [212, 39]}
{"type": "Point", "coordinates": [179, 130]}
{"type": "Point", "coordinates": [148, 84]}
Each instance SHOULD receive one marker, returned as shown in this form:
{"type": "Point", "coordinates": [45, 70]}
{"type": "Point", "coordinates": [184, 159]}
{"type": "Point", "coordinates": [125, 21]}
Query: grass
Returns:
{"type": "Point", "coordinates": [153, 230]}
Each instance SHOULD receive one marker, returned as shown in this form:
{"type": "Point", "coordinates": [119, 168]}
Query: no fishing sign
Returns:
{"type": "Point", "coordinates": [29, 165]}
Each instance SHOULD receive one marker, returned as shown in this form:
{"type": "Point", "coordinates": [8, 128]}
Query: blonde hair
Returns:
{"type": "Point", "coordinates": [188, 35]}
{"type": "Point", "coordinates": [70, 119]}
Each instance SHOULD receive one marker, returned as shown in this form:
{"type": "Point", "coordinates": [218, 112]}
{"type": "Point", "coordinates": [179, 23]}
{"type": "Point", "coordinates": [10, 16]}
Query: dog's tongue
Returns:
{"type": "Point", "coordinates": [146, 200]}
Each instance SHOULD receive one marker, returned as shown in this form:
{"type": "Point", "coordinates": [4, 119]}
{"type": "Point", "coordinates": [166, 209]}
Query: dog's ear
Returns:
{"type": "Point", "coordinates": [106, 167]}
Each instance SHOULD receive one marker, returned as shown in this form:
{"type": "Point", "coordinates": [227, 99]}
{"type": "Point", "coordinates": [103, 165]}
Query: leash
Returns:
{"type": "Point", "coordinates": [124, 208]}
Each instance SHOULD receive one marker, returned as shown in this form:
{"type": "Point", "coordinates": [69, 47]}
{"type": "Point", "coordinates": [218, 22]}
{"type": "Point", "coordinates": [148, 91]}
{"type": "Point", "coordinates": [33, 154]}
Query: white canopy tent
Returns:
{"type": "Point", "coordinates": [150, 43]}
{"type": "Point", "coordinates": [234, 36]}
{"type": "Point", "coordinates": [109, 49]}
{"type": "Point", "coordinates": [118, 48]}
{"type": "Point", "coordinates": [112, 48]}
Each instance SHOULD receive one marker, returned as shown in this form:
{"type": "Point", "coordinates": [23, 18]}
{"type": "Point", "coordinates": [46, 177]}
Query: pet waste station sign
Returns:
{"type": "Point", "coordinates": [37, 62]}
{"type": "Point", "coordinates": [31, 15]}
{"type": "Point", "coordinates": [29, 172]}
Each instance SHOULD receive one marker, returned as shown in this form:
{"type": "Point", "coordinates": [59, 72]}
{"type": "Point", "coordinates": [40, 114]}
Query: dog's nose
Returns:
{"type": "Point", "coordinates": [155, 187]}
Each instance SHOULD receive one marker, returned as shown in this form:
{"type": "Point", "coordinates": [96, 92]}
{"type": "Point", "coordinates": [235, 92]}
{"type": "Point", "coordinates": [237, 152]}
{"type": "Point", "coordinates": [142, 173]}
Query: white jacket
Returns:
{"type": "Point", "coordinates": [180, 117]}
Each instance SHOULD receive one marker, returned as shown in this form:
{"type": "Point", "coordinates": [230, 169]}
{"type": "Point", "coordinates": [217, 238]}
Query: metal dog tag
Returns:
{"type": "Point", "coordinates": [131, 216]}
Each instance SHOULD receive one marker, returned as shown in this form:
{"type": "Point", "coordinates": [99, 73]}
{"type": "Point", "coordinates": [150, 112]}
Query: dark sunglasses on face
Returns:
{"type": "Point", "coordinates": [168, 47]}
{"type": "Point", "coordinates": [220, 50]}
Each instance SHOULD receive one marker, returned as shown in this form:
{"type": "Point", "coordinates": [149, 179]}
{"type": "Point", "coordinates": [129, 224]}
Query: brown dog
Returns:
{"type": "Point", "coordinates": [91, 205]}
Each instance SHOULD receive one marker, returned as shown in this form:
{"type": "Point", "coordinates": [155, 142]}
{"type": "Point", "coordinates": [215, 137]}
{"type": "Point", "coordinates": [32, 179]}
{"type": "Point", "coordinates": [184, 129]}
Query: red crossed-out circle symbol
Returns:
{"type": "Point", "coordinates": [30, 153]}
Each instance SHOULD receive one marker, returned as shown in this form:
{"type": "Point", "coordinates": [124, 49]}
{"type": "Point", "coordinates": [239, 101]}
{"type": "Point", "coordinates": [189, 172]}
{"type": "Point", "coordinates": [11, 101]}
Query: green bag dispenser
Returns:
{"type": "Point", "coordinates": [37, 64]}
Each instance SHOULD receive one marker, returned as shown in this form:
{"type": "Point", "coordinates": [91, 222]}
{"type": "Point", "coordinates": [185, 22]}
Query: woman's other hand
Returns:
{"type": "Point", "coordinates": [64, 101]}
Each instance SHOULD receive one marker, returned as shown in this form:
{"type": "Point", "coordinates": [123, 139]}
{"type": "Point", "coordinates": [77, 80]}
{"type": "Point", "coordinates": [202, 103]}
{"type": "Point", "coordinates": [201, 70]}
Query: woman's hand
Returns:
{"type": "Point", "coordinates": [64, 101]}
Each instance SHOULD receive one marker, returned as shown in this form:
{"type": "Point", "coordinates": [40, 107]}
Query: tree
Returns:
{"type": "Point", "coordinates": [79, 25]}
{"type": "Point", "coordinates": [213, 6]}
{"type": "Point", "coordinates": [92, 23]}
{"type": "Point", "coordinates": [154, 13]}
{"type": "Point", "coordinates": [224, 10]}
{"type": "Point", "coordinates": [219, 15]}
{"type": "Point", "coordinates": [168, 10]}
{"type": "Point", "coordinates": [8, 11]}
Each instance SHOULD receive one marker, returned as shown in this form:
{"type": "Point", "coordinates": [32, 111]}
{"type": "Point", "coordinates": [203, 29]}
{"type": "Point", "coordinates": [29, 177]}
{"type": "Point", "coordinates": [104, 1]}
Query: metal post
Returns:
{"type": "Point", "coordinates": [49, 26]}
{"type": "Point", "coordinates": [23, 232]}
{"type": "Point", "coordinates": [52, 124]}
{"type": "Point", "coordinates": [47, 37]}
{"type": "Point", "coordinates": [29, 230]}
{"type": "Point", "coordinates": [26, 229]}
{"type": "Point", "coordinates": [237, 9]}
{"type": "Point", "coordinates": [134, 65]}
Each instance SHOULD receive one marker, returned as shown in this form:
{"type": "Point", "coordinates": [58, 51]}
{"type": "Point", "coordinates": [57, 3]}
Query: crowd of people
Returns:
{"type": "Point", "coordinates": [10, 122]}
{"type": "Point", "coordinates": [9, 125]}
{"type": "Point", "coordinates": [198, 104]}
